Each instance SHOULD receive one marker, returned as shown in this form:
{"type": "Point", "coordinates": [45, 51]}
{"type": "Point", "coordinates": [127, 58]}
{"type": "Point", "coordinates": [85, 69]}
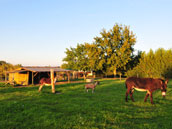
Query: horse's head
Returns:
{"type": "Point", "coordinates": [164, 87]}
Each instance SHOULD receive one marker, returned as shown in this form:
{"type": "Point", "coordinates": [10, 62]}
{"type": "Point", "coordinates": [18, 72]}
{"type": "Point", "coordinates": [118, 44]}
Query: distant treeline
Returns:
{"type": "Point", "coordinates": [4, 66]}
{"type": "Point", "coordinates": [156, 64]}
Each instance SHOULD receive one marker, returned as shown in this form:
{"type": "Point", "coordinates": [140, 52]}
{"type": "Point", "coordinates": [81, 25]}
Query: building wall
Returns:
{"type": "Point", "coordinates": [19, 78]}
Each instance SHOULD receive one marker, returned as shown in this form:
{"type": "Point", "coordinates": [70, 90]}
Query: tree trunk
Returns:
{"type": "Point", "coordinates": [32, 79]}
{"type": "Point", "coordinates": [114, 72]}
{"type": "Point", "coordinates": [84, 75]}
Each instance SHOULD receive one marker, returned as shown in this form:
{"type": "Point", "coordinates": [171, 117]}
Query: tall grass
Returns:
{"type": "Point", "coordinates": [73, 107]}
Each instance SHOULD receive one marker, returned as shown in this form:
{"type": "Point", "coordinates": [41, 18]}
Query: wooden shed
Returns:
{"type": "Point", "coordinates": [33, 74]}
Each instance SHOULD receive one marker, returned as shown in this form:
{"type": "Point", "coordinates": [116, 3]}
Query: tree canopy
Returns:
{"type": "Point", "coordinates": [115, 48]}
{"type": "Point", "coordinates": [111, 51]}
{"type": "Point", "coordinates": [76, 58]}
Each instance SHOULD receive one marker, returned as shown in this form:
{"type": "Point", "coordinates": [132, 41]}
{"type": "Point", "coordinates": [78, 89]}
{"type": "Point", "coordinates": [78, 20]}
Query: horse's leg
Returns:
{"type": "Point", "coordinates": [147, 95]}
{"type": "Point", "coordinates": [93, 90]}
{"type": "Point", "coordinates": [86, 89]}
{"type": "Point", "coordinates": [151, 98]}
{"type": "Point", "coordinates": [40, 87]}
{"type": "Point", "coordinates": [126, 95]}
{"type": "Point", "coordinates": [131, 94]}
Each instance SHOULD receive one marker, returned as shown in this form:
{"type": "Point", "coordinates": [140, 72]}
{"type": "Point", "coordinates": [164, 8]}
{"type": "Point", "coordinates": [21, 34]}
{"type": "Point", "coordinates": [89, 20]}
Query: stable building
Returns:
{"type": "Point", "coordinates": [32, 74]}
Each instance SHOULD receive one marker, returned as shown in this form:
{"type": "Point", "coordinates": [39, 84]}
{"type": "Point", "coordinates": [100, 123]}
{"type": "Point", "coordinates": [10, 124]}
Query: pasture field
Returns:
{"type": "Point", "coordinates": [72, 107]}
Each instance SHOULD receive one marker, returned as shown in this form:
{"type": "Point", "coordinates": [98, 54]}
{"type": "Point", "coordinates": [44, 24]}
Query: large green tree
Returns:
{"type": "Point", "coordinates": [113, 49]}
{"type": "Point", "coordinates": [70, 59]}
{"type": "Point", "coordinates": [77, 58]}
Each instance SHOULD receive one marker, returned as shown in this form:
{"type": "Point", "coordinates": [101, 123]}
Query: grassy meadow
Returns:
{"type": "Point", "coordinates": [72, 107]}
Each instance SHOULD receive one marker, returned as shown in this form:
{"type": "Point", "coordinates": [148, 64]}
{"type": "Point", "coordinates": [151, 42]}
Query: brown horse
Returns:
{"type": "Point", "coordinates": [45, 81]}
{"type": "Point", "coordinates": [91, 86]}
{"type": "Point", "coordinates": [145, 84]}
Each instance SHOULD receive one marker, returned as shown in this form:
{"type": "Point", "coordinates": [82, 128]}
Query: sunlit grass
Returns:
{"type": "Point", "coordinates": [73, 107]}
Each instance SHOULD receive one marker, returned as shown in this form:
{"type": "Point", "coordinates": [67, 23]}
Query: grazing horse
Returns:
{"type": "Point", "coordinates": [45, 81]}
{"type": "Point", "coordinates": [91, 86]}
{"type": "Point", "coordinates": [145, 84]}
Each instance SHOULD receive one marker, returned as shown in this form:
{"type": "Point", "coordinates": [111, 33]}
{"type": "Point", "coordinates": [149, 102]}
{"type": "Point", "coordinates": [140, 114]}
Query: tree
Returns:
{"type": "Point", "coordinates": [77, 58]}
{"type": "Point", "coordinates": [82, 58]}
{"type": "Point", "coordinates": [4, 66]}
{"type": "Point", "coordinates": [115, 48]}
{"type": "Point", "coordinates": [95, 57]}
{"type": "Point", "coordinates": [156, 64]}
{"type": "Point", "coordinates": [110, 52]}
{"type": "Point", "coordinates": [70, 59]}
{"type": "Point", "coordinates": [135, 60]}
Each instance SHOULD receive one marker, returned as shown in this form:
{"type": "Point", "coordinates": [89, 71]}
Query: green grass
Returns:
{"type": "Point", "coordinates": [72, 107]}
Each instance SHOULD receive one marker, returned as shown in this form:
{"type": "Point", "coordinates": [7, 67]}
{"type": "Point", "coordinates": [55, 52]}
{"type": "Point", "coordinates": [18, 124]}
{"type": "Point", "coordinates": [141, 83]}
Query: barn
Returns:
{"type": "Point", "coordinates": [32, 74]}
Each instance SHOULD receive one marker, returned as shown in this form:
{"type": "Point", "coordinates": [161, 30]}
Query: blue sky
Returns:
{"type": "Point", "coordinates": [37, 32]}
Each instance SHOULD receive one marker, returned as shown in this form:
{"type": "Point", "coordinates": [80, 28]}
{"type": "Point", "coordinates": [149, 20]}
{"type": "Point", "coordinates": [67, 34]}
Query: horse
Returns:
{"type": "Point", "coordinates": [91, 86]}
{"type": "Point", "coordinates": [145, 84]}
{"type": "Point", "coordinates": [45, 81]}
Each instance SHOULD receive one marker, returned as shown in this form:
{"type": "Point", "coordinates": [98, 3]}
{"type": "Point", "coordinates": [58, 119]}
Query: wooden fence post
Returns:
{"type": "Point", "coordinates": [52, 81]}
{"type": "Point", "coordinates": [32, 79]}
{"type": "Point", "coordinates": [27, 78]}
{"type": "Point", "coordinates": [73, 75]}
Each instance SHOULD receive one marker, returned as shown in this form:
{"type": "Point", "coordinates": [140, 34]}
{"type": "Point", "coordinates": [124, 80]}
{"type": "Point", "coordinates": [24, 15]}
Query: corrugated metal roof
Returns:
{"type": "Point", "coordinates": [17, 71]}
{"type": "Point", "coordinates": [44, 69]}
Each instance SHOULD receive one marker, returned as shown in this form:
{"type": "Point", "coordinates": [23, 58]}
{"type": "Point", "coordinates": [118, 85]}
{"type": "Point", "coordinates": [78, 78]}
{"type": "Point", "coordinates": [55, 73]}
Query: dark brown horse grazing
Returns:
{"type": "Point", "coordinates": [45, 81]}
{"type": "Point", "coordinates": [145, 84]}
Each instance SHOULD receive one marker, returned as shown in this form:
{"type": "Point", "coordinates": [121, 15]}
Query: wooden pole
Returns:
{"type": "Point", "coordinates": [56, 75]}
{"type": "Point", "coordinates": [73, 75]}
{"type": "Point", "coordinates": [114, 72]}
{"type": "Point", "coordinates": [32, 78]}
{"type": "Point", "coordinates": [13, 82]}
{"type": "Point", "coordinates": [27, 78]}
{"type": "Point", "coordinates": [52, 81]}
